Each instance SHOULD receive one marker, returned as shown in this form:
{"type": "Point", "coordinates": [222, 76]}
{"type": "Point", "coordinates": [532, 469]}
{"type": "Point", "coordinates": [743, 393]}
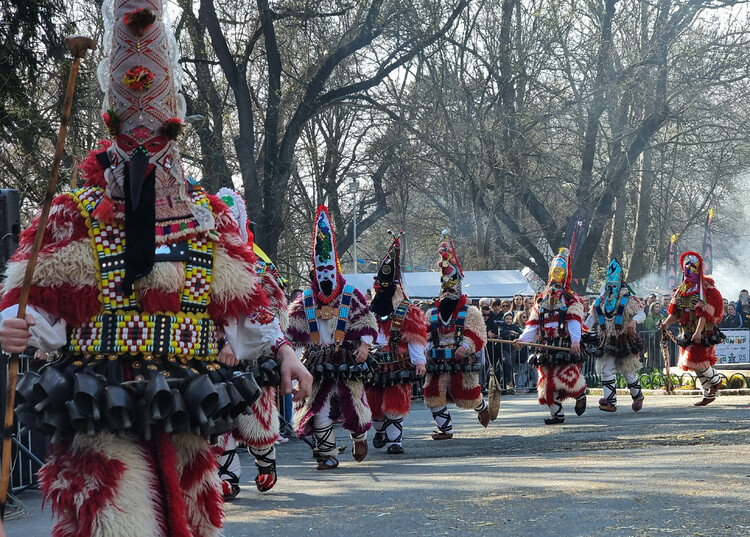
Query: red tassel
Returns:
{"type": "Point", "coordinates": [176, 509]}
{"type": "Point", "coordinates": [105, 210]}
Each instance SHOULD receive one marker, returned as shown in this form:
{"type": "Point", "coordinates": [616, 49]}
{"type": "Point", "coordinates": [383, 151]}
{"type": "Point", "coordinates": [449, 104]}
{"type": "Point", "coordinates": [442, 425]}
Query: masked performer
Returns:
{"type": "Point", "coordinates": [698, 306]}
{"type": "Point", "coordinates": [332, 322]}
{"type": "Point", "coordinates": [615, 314]}
{"type": "Point", "coordinates": [556, 320]}
{"type": "Point", "coordinates": [258, 427]}
{"type": "Point", "coordinates": [457, 336]}
{"type": "Point", "coordinates": [402, 336]}
{"type": "Point", "coordinates": [137, 271]}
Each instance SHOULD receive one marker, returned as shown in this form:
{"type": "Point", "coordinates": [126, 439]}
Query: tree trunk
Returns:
{"type": "Point", "coordinates": [637, 268]}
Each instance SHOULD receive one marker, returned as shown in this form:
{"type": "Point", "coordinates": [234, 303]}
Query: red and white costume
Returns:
{"type": "Point", "coordinates": [138, 269]}
{"type": "Point", "coordinates": [556, 320]}
{"type": "Point", "coordinates": [697, 300]}
{"type": "Point", "coordinates": [457, 335]}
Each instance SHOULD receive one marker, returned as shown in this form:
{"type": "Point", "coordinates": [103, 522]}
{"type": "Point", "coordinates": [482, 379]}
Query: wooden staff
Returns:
{"type": "Point", "coordinates": [78, 46]}
{"type": "Point", "coordinates": [537, 345]}
{"type": "Point", "coordinates": [665, 336]}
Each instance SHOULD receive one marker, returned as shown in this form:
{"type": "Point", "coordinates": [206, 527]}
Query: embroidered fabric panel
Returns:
{"type": "Point", "coordinates": [181, 336]}
{"type": "Point", "coordinates": [312, 322]}
{"type": "Point", "coordinates": [196, 290]}
{"type": "Point", "coordinates": [108, 242]}
{"type": "Point", "coordinates": [457, 325]}
{"type": "Point", "coordinates": [618, 312]}
{"type": "Point", "coordinates": [397, 322]}
{"type": "Point", "coordinates": [341, 320]}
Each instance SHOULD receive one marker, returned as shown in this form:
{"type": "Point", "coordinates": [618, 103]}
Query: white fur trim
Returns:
{"type": "Point", "coordinates": [72, 264]}
{"type": "Point", "coordinates": [232, 278]}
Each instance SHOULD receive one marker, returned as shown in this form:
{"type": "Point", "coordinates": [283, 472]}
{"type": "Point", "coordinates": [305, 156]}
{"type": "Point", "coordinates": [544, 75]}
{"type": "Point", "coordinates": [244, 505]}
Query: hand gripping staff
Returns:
{"type": "Point", "coordinates": [78, 46]}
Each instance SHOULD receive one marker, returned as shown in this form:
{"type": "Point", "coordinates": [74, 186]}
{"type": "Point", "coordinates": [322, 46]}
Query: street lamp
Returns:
{"type": "Point", "coordinates": [354, 189]}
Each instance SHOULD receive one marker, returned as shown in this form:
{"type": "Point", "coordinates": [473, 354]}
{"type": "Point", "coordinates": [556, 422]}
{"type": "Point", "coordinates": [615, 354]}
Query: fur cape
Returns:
{"type": "Point", "coordinates": [574, 313]}
{"type": "Point", "coordinates": [66, 267]}
{"type": "Point", "coordinates": [462, 387]}
{"type": "Point", "coordinates": [699, 357]}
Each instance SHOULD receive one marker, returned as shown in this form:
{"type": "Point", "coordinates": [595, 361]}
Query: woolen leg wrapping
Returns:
{"type": "Point", "coordinates": [634, 385]}
{"type": "Point", "coordinates": [708, 378]}
{"type": "Point", "coordinates": [442, 417]}
{"type": "Point", "coordinates": [322, 426]}
{"type": "Point", "coordinates": [610, 391]}
{"type": "Point", "coordinates": [556, 410]}
{"type": "Point", "coordinates": [394, 429]}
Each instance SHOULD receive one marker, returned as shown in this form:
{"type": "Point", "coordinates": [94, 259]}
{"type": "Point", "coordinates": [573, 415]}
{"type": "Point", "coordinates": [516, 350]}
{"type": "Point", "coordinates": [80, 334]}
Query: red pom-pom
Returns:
{"type": "Point", "coordinates": [104, 211]}
{"type": "Point", "coordinates": [139, 20]}
{"type": "Point", "coordinates": [173, 128]}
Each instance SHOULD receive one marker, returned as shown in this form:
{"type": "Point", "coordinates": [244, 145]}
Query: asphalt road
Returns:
{"type": "Point", "coordinates": [672, 469]}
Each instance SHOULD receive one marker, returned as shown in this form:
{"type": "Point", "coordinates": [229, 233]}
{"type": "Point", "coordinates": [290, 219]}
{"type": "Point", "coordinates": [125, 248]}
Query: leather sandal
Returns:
{"type": "Point", "coordinates": [484, 417]}
{"type": "Point", "coordinates": [705, 401]}
{"type": "Point", "coordinates": [440, 435]}
{"type": "Point", "coordinates": [379, 440]}
{"type": "Point", "coordinates": [327, 462]}
{"type": "Point", "coordinates": [637, 404]}
{"type": "Point", "coordinates": [395, 449]}
{"type": "Point", "coordinates": [580, 407]}
{"type": "Point", "coordinates": [607, 407]}
{"type": "Point", "coordinates": [229, 490]}
{"type": "Point", "coordinates": [713, 389]}
{"type": "Point", "coordinates": [554, 421]}
{"type": "Point", "coordinates": [359, 450]}
{"type": "Point", "coordinates": [266, 478]}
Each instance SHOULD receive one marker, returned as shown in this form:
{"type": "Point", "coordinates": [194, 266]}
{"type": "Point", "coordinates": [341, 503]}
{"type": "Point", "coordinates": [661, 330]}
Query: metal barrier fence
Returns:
{"type": "Point", "coordinates": [513, 370]}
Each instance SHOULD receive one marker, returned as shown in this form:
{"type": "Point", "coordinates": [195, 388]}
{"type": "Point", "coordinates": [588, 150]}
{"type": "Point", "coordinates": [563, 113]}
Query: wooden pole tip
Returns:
{"type": "Point", "coordinates": [79, 45]}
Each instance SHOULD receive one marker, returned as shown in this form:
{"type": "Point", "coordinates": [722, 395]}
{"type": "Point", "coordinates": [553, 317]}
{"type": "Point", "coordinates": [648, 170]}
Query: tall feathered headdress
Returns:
{"type": "Point", "coordinates": [451, 273]}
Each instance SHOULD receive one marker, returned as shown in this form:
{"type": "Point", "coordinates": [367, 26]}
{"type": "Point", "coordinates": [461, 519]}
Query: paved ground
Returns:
{"type": "Point", "coordinates": [672, 469]}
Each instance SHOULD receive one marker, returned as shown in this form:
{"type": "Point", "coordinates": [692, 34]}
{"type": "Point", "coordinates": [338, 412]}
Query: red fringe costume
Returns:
{"type": "Point", "coordinates": [115, 300]}
{"type": "Point", "coordinates": [454, 327]}
{"type": "Point", "coordinates": [559, 382]}
{"type": "Point", "coordinates": [699, 356]}
{"type": "Point", "coordinates": [396, 400]}
{"type": "Point", "coordinates": [556, 320]}
{"type": "Point", "coordinates": [695, 299]}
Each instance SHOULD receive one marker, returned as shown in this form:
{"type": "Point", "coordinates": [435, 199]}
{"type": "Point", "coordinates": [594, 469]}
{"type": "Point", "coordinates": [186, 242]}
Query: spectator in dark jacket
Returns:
{"type": "Point", "coordinates": [731, 318]}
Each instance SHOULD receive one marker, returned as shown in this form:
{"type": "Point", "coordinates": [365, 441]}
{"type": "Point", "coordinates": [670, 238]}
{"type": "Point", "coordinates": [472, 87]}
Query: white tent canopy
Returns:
{"type": "Point", "coordinates": [476, 283]}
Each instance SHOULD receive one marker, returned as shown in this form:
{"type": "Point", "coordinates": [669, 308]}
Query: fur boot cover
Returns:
{"type": "Point", "coordinates": [461, 388]}
{"type": "Point", "coordinates": [354, 407]}
{"type": "Point", "coordinates": [103, 486]}
{"type": "Point", "coordinates": [259, 426]}
{"type": "Point", "coordinates": [395, 401]}
{"type": "Point", "coordinates": [565, 381]}
{"type": "Point", "coordinates": [199, 480]}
